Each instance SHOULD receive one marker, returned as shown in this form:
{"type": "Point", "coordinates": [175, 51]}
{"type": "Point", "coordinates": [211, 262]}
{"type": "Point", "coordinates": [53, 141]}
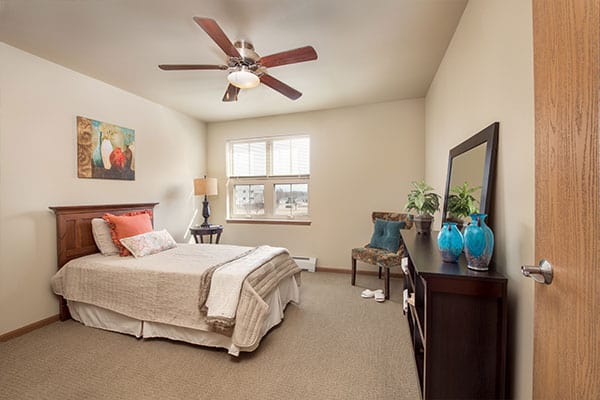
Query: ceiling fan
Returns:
{"type": "Point", "coordinates": [247, 69]}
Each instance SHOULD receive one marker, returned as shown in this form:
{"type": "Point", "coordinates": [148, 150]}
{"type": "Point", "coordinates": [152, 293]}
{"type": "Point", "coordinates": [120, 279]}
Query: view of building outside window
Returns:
{"type": "Point", "coordinates": [249, 199]}
{"type": "Point", "coordinates": [291, 199]}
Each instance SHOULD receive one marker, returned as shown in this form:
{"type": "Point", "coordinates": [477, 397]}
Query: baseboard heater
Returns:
{"type": "Point", "coordinates": [306, 263]}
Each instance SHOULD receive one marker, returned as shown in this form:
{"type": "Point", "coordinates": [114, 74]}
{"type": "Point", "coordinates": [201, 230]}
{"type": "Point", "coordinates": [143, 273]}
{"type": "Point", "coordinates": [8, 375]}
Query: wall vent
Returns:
{"type": "Point", "coordinates": [306, 263]}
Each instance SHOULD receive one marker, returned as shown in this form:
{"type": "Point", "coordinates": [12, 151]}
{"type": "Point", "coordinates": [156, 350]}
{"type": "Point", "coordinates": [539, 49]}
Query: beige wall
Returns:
{"type": "Point", "coordinates": [362, 159]}
{"type": "Point", "coordinates": [486, 76]}
{"type": "Point", "coordinates": [39, 102]}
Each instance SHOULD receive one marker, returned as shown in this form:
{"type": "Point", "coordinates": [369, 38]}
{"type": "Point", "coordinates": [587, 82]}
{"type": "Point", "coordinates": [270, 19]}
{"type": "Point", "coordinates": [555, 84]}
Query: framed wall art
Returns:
{"type": "Point", "coordinates": [105, 151]}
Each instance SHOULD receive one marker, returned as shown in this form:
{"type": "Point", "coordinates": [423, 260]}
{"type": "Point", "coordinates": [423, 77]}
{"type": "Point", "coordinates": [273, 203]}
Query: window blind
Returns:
{"type": "Point", "coordinates": [249, 159]}
{"type": "Point", "coordinates": [291, 156]}
{"type": "Point", "coordinates": [281, 156]}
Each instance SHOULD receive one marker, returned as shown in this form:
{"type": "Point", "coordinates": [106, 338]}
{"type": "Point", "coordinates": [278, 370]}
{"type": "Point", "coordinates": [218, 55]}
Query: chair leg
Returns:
{"type": "Point", "coordinates": [353, 271]}
{"type": "Point", "coordinates": [379, 276]}
{"type": "Point", "coordinates": [387, 283]}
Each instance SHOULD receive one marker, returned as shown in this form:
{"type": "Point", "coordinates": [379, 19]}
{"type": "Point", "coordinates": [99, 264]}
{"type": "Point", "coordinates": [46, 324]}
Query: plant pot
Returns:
{"type": "Point", "coordinates": [423, 224]}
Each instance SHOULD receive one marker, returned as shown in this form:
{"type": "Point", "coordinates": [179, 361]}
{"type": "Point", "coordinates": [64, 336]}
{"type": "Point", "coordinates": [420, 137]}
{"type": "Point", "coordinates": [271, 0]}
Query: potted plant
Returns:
{"type": "Point", "coordinates": [461, 203]}
{"type": "Point", "coordinates": [425, 202]}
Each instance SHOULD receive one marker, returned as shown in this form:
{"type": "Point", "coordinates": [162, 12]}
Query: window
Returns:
{"type": "Point", "coordinates": [249, 200]}
{"type": "Point", "coordinates": [269, 178]}
{"type": "Point", "coordinates": [291, 199]}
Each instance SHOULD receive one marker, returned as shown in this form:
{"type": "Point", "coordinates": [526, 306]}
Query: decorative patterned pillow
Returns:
{"type": "Point", "coordinates": [149, 243]}
{"type": "Point", "coordinates": [386, 235]}
{"type": "Point", "coordinates": [127, 225]}
{"type": "Point", "coordinates": [103, 237]}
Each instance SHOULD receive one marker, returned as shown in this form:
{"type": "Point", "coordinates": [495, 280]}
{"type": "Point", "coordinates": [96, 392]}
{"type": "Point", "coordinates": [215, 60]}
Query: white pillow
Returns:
{"type": "Point", "coordinates": [149, 243]}
{"type": "Point", "coordinates": [103, 237]}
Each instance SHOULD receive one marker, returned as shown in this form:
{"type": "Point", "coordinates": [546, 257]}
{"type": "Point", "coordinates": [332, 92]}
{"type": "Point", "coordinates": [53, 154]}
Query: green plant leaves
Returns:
{"type": "Point", "coordinates": [462, 203]}
{"type": "Point", "coordinates": [422, 199]}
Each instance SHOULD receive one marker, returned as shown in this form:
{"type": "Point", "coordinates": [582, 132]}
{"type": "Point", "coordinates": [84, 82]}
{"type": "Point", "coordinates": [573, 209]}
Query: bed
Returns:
{"type": "Point", "coordinates": [187, 293]}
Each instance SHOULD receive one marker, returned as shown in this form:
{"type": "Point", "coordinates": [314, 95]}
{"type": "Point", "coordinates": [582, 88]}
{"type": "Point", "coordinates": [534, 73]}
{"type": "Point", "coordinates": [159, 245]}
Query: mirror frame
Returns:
{"type": "Point", "coordinates": [488, 135]}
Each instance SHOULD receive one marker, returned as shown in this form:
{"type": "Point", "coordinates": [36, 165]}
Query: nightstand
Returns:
{"type": "Point", "coordinates": [198, 232]}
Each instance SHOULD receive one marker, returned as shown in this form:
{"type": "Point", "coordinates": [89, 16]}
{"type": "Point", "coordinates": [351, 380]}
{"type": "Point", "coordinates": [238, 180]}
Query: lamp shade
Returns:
{"type": "Point", "coordinates": [205, 186]}
{"type": "Point", "coordinates": [243, 79]}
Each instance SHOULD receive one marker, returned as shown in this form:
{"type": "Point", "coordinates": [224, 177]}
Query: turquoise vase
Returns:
{"type": "Point", "coordinates": [450, 242]}
{"type": "Point", "coordinates": [479, 243]}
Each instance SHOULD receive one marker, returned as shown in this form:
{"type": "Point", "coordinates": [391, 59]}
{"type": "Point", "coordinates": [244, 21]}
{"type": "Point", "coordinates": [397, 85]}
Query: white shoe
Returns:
{"type": "Point", "coordinates": [379, 296]}
{"type": "Point", "coordinates": [368, 294]}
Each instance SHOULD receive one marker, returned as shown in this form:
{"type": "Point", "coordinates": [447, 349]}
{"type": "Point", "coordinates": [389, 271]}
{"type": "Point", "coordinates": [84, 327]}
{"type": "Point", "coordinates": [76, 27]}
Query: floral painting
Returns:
{"type": "Point", "coordinates": [105, 151]}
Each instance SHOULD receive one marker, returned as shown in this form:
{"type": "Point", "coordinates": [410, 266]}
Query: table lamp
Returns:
{"type": "Point", "coordinates": [207, 187]}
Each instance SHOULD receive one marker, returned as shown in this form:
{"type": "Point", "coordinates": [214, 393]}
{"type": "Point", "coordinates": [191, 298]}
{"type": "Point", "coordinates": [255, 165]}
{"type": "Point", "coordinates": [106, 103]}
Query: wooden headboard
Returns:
{"type": "Point", "coordinates": [74, 232]}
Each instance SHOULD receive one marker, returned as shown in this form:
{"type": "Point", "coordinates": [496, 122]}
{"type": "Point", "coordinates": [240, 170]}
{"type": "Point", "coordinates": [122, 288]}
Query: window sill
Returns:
{"type": "Point", "coordinates": [269, 221]}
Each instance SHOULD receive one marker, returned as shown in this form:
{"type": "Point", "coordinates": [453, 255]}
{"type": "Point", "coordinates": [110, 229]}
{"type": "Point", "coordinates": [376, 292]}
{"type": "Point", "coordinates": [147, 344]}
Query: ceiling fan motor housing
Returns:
{"type": "Point", "coordinates": [249, 56]}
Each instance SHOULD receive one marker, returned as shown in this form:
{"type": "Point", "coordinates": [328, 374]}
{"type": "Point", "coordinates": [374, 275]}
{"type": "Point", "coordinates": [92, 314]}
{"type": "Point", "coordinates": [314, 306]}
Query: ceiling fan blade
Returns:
{"type": "Point", "coordinates": [180, 67]}
{"type": "Point", "coordinates": [279, 86]}
{"type": "Point", "coordinates": [231, 94]}
{"type": "Point", "coordinates": [216, 33]}
{"type": "Point", "coordinates": [301, 54]}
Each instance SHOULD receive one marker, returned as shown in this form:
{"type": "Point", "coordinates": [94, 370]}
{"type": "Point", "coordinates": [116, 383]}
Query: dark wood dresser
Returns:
{"type": "Point", "coordinates": [457, 319]}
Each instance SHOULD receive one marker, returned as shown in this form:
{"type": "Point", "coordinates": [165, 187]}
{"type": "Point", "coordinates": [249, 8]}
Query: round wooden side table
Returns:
{"type": "Point", "coordinates": [198, 232]}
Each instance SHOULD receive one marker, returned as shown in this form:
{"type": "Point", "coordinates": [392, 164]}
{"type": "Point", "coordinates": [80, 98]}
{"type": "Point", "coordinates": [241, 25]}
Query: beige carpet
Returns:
{"type": "Point", "coordinates": [335, 345]}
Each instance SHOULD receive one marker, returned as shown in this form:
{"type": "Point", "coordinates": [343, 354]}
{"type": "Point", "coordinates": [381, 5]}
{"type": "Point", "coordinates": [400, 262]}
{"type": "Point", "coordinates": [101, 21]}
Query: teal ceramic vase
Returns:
{"type": "Point", "coordinates": [450, 242]}
{"type": "Point", "coordinates": [479, 243]}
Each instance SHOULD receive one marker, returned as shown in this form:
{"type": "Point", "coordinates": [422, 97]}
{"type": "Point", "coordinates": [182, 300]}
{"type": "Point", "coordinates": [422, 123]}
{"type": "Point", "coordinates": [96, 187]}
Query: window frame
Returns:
{"type": "Point", "coordinates": [268, 181]}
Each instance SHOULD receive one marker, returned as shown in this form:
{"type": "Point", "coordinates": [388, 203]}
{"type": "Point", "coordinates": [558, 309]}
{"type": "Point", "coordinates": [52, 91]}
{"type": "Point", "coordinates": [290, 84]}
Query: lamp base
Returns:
{"type": "Point", "coordinates": [205, 212]}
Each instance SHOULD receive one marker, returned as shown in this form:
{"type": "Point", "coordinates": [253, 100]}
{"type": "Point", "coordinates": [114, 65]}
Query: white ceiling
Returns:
{"type": "Point", "coordinates": [369, 51]}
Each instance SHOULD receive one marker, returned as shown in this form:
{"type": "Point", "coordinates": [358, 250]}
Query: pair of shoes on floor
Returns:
{"type": "Point", "coordinates": [377, 294]}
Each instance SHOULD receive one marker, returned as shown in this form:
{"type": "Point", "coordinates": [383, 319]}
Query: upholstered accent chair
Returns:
{"type": "Point", "coordinates": [382, 258]}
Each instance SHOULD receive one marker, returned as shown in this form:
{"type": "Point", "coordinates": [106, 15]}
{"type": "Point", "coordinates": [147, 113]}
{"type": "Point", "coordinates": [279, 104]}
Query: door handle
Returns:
{"type": "Point", "coordinates": [541, 274]}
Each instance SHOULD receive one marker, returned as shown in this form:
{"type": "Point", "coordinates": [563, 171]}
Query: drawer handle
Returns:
{"type": "Point", "coordinates": [404, 265]}
{"type": "Point", "coordinates": [407, 300]}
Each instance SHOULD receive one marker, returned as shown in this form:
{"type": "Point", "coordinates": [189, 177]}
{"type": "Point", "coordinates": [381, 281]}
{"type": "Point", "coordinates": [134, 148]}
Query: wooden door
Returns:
{"type": "Point", "coordinates": [567, 217]}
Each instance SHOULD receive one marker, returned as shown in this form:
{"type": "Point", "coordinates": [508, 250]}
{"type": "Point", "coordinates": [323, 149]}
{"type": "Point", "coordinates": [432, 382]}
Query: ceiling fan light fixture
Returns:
{"type": "Point", "coordinates": [243, 79]}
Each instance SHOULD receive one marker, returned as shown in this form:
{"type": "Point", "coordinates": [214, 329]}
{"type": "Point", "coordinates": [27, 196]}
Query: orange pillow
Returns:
{"type": "Point", "coordinates": [127, 225]}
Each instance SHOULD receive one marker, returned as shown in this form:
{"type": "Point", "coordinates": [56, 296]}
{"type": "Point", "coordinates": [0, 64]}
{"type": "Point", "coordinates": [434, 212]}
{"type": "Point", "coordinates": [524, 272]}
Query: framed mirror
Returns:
{"type": "Point", "coordinates": [474, 161]}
